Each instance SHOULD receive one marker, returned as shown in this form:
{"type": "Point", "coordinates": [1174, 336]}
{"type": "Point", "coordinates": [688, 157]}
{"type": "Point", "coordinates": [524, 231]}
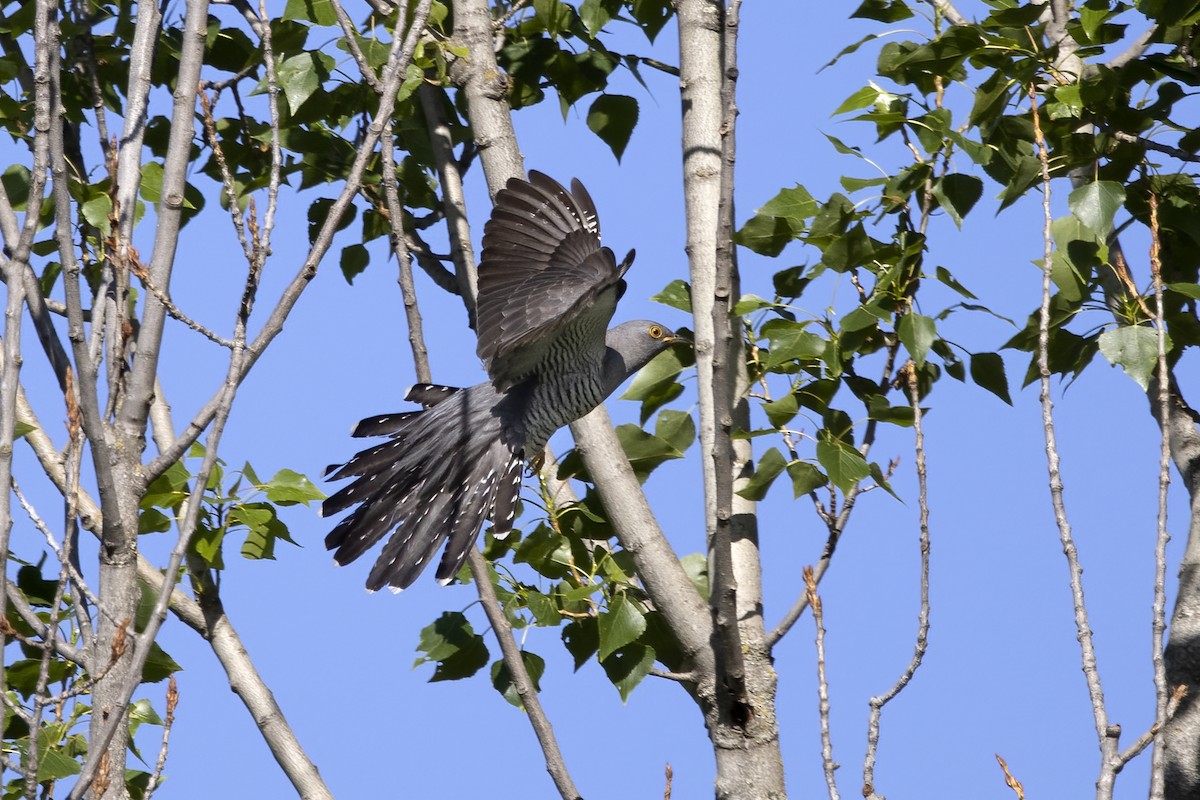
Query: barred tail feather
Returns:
{"type": "Point", "coordinates": [445, 471]}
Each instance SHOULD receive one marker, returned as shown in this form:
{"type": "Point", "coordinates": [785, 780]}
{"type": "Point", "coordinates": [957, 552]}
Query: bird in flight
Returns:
{"type": "Point", "coordinates": [547, 292]}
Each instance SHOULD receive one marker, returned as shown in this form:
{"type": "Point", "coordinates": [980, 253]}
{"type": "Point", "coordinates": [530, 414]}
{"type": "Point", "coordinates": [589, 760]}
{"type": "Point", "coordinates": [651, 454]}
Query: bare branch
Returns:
{"type": "Point", "coordinates": [408, 291]}
{"type": "Point", "coordinates": [827, 762]}
{"type": "Point", "coordinates": [1158, 622]}
{"type": "Point", "coordinates": [393, 73]}
{"type": "Point", "coordinates": [161, 761]}
{"type": "Point", "coordinates": [1107, 735]}
{"type": "Point", "coordinates": [453, 199]}
{"type": "Point", "coordinates": [877, 703]}
{"type": "Point", "coordinates": [1135, 49]}
{"type": "Point", "coordinates": [555, 764]}
{"type": "Point", "coordinates": [1150, 144]}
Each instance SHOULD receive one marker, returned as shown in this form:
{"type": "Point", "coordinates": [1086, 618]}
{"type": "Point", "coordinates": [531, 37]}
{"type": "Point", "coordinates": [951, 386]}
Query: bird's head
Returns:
{"type": "Point", "coordinates": [635, 343]}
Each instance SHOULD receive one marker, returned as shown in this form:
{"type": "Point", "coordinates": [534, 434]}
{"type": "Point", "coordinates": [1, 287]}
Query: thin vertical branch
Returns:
{"type": "Point", "coordinates": [393, 72]}
{"type": "Point", "coordinates": [168, 722]}
{"type": "Point", "coordinates": [454, 201]}
{"type": "Point", "coordinates": [1158, 622]}
{"type": "Point", "coordinates": [408, 291]}
{"type": "Point", "coordinates": [10, 371]}
{"type": "Point", "coordinates": [1108, 735]}
{"type": "Point", "coordinates": [723, 368]}
{"type": "Point", "coordinates": [827, 762]}
{"type": "Point", "coordinates": [877, 703]}
{"type": "Point", "coordinates": [555, 764]}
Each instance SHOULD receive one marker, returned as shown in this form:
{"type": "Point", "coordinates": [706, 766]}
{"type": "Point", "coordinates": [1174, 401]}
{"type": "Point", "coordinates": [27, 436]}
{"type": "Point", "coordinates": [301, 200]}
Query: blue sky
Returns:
{"type": "Point", "coordinates": [1002, 674]}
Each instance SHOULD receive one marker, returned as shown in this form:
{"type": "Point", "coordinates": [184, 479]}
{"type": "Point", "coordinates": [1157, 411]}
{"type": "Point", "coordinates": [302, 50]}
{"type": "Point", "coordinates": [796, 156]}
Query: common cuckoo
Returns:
{"type": "Point", "coordinates": [547, 291]}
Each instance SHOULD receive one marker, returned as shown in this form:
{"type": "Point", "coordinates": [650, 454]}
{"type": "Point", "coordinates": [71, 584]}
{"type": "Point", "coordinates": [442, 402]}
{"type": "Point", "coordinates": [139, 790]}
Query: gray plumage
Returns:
{"type": "Point", "coordinates": [547, 291]}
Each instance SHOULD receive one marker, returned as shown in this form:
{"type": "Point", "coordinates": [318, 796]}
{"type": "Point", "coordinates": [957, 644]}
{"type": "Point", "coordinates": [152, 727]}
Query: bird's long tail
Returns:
{"type": "Point", "coordinates": [443, 472]}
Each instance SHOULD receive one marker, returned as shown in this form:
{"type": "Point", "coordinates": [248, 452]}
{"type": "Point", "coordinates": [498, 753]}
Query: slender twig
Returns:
{"type": "Point", "coordinates": [835, 520]}
{"type": "Point", "coordinates": [454, 201]}
{"type": "Point", "coordinates": [350, 37]}
{"type": "Point", "coordinates": [1158, 622]}
{"type": "Point", "coordinates": [393, 73]}
{"type": "Point", "coordinates": [30, 617]}
{"type": "Point", "coordinates": [827, 762]}
{"type": "Point", "coordinates": [877, 703]}
{"type": "Point", "coordinates": [1010, 781]}
{"type": "Point", "coordinates": [1150, 144]}
{"type": "Point", "coordinates": [10, 371]}
{"type": "Point", "coordinates": [208, 618]}
{"type": "Point", "coordinates": [408, 291]}
{"type": "Point", "coordinates": [555, 764]}
{"type": "Point", "coordinates": [168, 722]}
{"type": "Point", "coordinates": [1108, 735]}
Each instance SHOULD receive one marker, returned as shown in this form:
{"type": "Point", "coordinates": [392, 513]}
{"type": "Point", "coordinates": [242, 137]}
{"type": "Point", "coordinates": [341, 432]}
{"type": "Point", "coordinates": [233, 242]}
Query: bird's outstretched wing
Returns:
{"type": "Point", "coordinates": [543, 269]}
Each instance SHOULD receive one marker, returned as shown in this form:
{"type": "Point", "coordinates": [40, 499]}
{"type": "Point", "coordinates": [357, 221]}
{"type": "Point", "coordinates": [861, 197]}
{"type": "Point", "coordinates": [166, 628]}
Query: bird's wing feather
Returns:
{"type": "Point", "coordinates": [542, 268]}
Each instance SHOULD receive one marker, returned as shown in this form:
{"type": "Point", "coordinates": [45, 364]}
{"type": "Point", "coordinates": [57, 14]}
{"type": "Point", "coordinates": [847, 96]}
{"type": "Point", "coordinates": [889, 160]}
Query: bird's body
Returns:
{"type": "Point", "coordinates": [547, 291]}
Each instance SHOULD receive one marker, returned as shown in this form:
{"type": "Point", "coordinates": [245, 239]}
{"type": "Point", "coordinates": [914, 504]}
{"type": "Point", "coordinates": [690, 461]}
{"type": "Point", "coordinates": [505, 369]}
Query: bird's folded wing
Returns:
{"type": "Point", "coordinates": [543, 269]}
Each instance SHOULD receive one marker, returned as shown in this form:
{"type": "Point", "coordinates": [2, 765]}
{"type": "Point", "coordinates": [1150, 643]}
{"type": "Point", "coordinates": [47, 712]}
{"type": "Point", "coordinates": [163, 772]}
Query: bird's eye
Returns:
{"type": "Point", "coordinates": [656, 332]}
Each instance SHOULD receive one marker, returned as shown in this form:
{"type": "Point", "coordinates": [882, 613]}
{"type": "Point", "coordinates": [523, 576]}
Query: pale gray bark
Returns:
{"type": "Point", "coordinates": [742, 723]}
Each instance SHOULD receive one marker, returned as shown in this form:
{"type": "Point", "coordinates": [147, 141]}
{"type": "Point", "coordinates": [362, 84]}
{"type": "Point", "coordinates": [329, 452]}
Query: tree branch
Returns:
{"type": "Point", "coordinates": [393, 73]}
{"type": "Point", "coordinates": [1107, 735]}
{"type": "Point", "coordinates": [555, 764]}
{"type": "Point", "coordinates": [877, 703]}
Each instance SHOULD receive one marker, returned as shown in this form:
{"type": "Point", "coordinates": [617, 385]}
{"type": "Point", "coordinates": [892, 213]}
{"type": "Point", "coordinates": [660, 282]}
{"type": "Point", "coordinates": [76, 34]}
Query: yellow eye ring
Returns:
{"type": "Point", "coordinates": [656, 332]}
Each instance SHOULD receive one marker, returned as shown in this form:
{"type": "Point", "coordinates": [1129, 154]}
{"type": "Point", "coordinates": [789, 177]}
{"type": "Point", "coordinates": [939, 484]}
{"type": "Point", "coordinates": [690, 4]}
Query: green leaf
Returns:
{"type": "Point", "coordinates": [598, 13]}
{"type": "Point", "coordinates": [1096, 204]}
{"type": "Point", "coordinates": [354, 260]}
{"type": "Point", "coordinates": [844, 465]}
{"type": "Point", "coordinates": [319, 12]}
{"type": "Point", "coordinates": [96, 210]}
{"type": "Point", "coordinates": [696, 567]}
{"type": "Point", "coordinates": [768, 469]}
{"type": "Point", "coordinates": [1135, 349]}
{"type": "Point", "coordinates": [958, 193]}
{"type": "Point", "coordinates": [790, 341]}
{"type": "Point", "coordinates": [620, 625]}
{"type": "Point", "coordinates": [613, 117]}
{"type": "Point", "coordinates": [581, 637]}
{"type": "Point", "coordinates": [945, 277]}
{"type": "Point", "coordinates": [987, 370]}
{"type": "Point", "coordinates": [861, 99]}
{"type": "Point", "coordinates": [677, 294]}
{"type": "Point", "coordinates": [319, 211]}
{"type": "Point", "coordinates": [628, 666]}
{"type": "Point", "coordinates": [805, 478]}
{"type": "Point", "coordinates": [917, 334]}
{"type": "Point", "coordinates": [502, 680]}
{"type": "Point", "coordinates": [749, 304]}
{"type": "Point", "coordinates": [765, 235]}
{"type": "Point", "coordinates": [677, 428]}
{"type": "Point", "coordinates": [289, 488]}
{"type": "Point", "coordinates": [299, 78]}
{"type": "Point", "coordinates": [158, 665]}
{"type": "Point", "coordinates": [883, 10]}
{"type": "Point", "coordinates": [1191, 290]}
{"type": "Point", "coordinates": [450, 642]}
{"type": "Point", "coordinates": [795, 205]}
{"type": "Point", "coordinates": [151, 520]}
{"type": "Point", "coordinates": [54, 765]}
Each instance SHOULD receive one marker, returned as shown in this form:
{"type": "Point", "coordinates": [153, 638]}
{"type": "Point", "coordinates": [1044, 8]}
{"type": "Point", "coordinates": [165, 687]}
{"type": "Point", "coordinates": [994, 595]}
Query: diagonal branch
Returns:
{"type": "Point", "coordinates": [393, 73]}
